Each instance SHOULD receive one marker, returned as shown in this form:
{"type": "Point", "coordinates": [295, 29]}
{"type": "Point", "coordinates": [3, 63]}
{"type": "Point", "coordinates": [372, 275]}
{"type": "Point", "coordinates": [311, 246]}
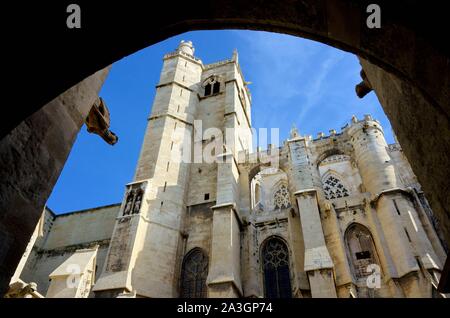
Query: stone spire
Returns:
{"type": "Point", "coordinates": [294, 131]}
{"type": "Point", "coordinates": [235, 56]}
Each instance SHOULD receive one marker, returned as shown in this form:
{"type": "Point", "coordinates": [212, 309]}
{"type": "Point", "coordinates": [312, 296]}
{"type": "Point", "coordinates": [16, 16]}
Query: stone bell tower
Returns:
{"type": "Point", "coordinates": [172, 177]}
{"type": "Point", "coordinates": [147, 235]}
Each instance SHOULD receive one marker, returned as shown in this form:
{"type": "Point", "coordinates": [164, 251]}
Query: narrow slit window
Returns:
{"type": "Point", "coordinates": [206, 196]}
{"type": "Point", "coordinates": [396, 207]}
{"type": "Point", "coordinates": [407, 235]}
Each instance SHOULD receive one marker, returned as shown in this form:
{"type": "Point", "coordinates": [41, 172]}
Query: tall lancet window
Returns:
{"type": "Point", "coordinates": [334, 188]}
{"type": "Point", "coordinates": [281, 198]}
{"type": "Point", "coordinates": [361, 249]}
{"type": "Point", "coordinates": [277, 280]}
{"type": "Point", "coordinates": [193, 274]}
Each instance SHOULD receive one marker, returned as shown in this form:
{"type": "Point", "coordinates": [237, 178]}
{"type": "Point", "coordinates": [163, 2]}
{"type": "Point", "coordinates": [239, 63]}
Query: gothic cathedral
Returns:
{"type": "Point", "coordinates": [339, 215]}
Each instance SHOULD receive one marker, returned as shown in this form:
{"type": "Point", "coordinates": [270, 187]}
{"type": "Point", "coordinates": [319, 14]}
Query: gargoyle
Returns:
{"type": "Point", "coordinates": [363, 88]}
{"type": "Point", "coordinates": [98, 121]}
{"type": "Point", "coordinates": [20, 289]}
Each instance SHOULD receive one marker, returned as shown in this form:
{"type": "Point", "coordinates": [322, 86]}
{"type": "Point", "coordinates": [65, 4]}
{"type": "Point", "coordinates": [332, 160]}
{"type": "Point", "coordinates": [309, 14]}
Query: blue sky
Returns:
{"type": "Point", "coordinates": [294, 81]}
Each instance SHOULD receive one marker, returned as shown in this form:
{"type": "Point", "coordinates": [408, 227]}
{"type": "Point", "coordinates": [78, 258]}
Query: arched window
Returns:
{"type": "Point", "coordinates": [281, 198]}
{"type": "Point", "coordinates": [207, 89]}
{"type": "Point", "coordinates": [216, 87]}
{"type": "Point", "coordinates": [361, 250]}
{"type": "Point", "coordinates": [258, 202]}
{"type": "Point", "coordinates": [257, 193]}
{"type": "Point", "coordinates": [277, 280]}
{"type": "Point", "coordinates": [193, 274]}
{"type": "Point", "coordinates": [211, 85]}
{"type": "Point", "coordinates": [334, 188]}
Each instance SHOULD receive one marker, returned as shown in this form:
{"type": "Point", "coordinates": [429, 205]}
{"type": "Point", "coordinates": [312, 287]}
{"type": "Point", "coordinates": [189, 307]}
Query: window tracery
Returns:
{"type": "Point", "coordinates": [277, 280]}
{"type": "Point", "coordinates": [211, 86]}
{"type": "Point", "coordinates": [361, 249]}
{"type": "Point", "coordinates": [334, 188]}
{"type": "Point", "coordinates": [193, 274]}
{"type": "Point", "coordinates": [281, 198]}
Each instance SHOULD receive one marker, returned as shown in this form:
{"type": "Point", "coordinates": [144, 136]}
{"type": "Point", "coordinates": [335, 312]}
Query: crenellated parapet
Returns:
{"type": "Point", "coordinates": [185, 49]}
{"type": "Point", "coordinates": [217, 64]}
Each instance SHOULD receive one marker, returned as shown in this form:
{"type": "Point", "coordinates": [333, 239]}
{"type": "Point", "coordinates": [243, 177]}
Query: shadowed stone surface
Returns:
{"type": "Point", "coordinates": [425, 139]}
{"type": "Point", "coordinates": [32, 157]}
{"type": "Point", "coordinates": [409, 42]}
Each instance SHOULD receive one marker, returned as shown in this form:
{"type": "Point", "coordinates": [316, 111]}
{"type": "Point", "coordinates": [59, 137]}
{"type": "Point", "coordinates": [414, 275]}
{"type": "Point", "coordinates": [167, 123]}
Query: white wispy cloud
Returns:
{"type": "Point", "coordinates": [303, 82]}
{"type": "Point", "coordinates": [289, 73]}
{"type": "Point", "coordinates": [315, 92]}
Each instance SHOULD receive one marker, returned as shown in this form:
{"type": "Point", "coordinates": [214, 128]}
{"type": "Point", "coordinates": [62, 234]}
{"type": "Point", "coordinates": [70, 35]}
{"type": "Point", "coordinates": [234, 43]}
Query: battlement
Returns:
{"type": "Point", "coordinates": [234, 59]}
{"type": "Point", "coordinates": [353, 124]}
{"type": "Point", "coordinates": [178, 53]}
{"type": "Point", "coordinates": [185, 49]}
{"type": "Point", "coordinates": [268, 154]}
{"type": "Point", "coordinates": [217, 64]}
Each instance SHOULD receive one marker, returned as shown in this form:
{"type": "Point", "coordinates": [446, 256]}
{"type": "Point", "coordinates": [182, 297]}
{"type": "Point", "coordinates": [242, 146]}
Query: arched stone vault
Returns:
{"type": "Point", "coordinates": [408, 44]}
{"type": "Point", "coordinates": [405, 62]}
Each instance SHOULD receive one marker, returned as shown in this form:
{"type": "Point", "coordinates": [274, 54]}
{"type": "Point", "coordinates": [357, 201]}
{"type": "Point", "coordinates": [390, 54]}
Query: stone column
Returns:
{"type": "Point", "coordinates": [318, 263]}
{"type": "Point", "coordinates": [337, 248]}
{"type": "Point", "coordinates": [300, 283]}
{"type": "Point", "coordinates": [251, 267]}
{"type": "Point", "coordinates": [224, 277]}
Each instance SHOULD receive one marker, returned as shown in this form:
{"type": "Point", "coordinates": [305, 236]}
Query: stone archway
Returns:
{"type": "Point", "coordinates": [405, 63]}
{"type": "Point", "coordinates": [405, 45]}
